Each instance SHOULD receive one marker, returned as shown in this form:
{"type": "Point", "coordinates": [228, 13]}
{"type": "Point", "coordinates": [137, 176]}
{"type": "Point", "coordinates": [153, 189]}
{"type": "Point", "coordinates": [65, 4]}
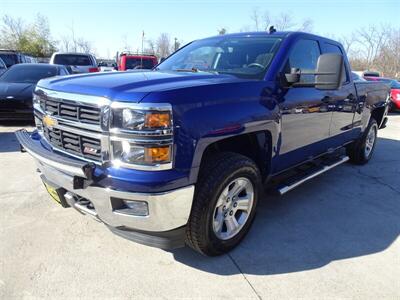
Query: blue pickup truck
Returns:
{"type": "Point", "coordinates": [181, 154]}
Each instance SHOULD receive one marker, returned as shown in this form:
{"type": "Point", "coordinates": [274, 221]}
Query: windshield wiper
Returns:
{"type": "Point", "coordinates": [193, 70]}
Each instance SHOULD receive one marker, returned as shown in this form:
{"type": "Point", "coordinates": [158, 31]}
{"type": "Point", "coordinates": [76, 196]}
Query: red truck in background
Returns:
{"type": "Point", "coordinates": [131, 61]}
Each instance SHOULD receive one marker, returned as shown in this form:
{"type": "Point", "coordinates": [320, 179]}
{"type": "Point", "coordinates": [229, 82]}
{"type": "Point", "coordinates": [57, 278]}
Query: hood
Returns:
{"type": "Point", "coordinates": [16, 90]}
{"type": "Point", "coordinates": [131, 86]}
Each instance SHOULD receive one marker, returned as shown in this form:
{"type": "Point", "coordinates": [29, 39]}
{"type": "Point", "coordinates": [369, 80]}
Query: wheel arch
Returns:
{"type": "Point", "coordinates": [258, 146]}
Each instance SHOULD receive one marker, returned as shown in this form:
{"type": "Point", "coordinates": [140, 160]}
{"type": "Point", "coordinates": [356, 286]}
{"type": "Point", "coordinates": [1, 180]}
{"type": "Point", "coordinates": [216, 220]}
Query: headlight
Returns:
{"type": "Point", "coordinates": [129, 153]}
{"type": "Point", "coordinates": [132, 119]}
{"type": "Point", "coordinates": [141, 136]}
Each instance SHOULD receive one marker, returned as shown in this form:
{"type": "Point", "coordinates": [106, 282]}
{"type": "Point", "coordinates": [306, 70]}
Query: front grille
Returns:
{"type": "Point", "coordinates": [71, 110]}
{"type": "Point", "coordinates": [82, 146]}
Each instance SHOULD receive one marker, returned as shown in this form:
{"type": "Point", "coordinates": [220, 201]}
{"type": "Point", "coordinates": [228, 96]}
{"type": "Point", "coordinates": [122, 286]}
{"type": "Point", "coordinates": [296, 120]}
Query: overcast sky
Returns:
{"type": "Point", "coordinates": [107, 24]}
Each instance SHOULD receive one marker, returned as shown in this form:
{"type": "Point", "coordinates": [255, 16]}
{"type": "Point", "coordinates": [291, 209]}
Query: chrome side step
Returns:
{"type": "Point", "coordinates": [283, 189]}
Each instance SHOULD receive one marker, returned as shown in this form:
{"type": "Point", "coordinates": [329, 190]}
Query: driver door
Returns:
{"type": "Point", "coordinates": [306, 116]}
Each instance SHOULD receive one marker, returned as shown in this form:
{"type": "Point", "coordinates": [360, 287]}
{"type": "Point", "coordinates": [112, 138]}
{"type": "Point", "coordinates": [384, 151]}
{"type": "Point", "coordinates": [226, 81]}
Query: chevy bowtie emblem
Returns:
{"type": "Point", "coordinates": [49, 121]}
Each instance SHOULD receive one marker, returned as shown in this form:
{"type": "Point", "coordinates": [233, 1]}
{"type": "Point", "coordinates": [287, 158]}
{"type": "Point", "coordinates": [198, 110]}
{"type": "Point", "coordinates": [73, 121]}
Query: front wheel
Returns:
{"type": "Point", "coordinates": [361, 150]}
{"type": "Point", "coordinates": [225, 203]}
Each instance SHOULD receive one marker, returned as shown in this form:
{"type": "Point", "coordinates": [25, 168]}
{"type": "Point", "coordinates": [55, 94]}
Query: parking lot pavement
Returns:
{"type": "Point", "coordinates": [335, 236]}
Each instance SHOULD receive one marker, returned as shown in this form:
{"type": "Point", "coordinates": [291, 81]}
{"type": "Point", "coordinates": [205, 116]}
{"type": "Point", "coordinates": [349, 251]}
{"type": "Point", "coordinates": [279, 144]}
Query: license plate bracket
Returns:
{"type": "Point", "coordinates": [56, 193]}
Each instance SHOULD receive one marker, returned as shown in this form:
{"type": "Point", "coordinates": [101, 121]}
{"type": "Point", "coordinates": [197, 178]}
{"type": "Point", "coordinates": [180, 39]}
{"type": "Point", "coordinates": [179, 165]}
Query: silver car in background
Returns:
{"type": "Point", "coordinates": [75, 62]}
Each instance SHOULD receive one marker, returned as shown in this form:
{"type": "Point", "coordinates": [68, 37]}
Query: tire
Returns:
{"type": "Point", "coordinates": [361, 150]}
{"type": "Point", "coordinates": [214, 207]}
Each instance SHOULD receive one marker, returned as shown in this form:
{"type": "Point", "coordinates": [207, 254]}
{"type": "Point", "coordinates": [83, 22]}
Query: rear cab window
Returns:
{"type": "Point", "coordinates": [136, 63]}
{"type": "Point", "coordinates": [72, 60]}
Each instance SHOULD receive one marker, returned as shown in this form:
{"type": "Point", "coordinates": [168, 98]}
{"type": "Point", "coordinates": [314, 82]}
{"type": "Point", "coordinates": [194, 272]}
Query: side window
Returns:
{"type": "Point", "coordinates": [304, 56]}
{"type": "Point", "coordinates": [330, 48]}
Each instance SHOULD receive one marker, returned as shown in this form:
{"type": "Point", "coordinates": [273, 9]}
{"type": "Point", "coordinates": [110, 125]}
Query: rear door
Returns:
{"type": "Point", "coordinates": [305, 115]}
{"type": "Point", "coordinates": [342, 102]}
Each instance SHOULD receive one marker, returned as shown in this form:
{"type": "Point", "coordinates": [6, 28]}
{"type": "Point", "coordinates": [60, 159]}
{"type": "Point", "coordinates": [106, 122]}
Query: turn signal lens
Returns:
{"type": "Point", "coordinates": [158, 120]}
{"type": "Point", "coordinates": [159, 154]}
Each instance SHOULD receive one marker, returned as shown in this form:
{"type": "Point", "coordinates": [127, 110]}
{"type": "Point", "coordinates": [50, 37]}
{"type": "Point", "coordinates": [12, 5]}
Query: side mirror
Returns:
{"type": "Point", "coordinates": [329, 73]}
{"type": "Point", "coordinates": [293, 76]}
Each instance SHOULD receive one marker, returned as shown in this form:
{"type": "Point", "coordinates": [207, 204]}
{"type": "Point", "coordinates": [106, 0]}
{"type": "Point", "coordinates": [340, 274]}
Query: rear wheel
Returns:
{"type": "Point", "coordinates": [360, 151]}
{"type": "Point", "coordinates": [224, 205]}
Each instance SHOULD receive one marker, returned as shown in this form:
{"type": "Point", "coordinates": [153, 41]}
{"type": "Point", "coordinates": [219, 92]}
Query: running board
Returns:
{"type": "Point", "coordinates": [283, 189]}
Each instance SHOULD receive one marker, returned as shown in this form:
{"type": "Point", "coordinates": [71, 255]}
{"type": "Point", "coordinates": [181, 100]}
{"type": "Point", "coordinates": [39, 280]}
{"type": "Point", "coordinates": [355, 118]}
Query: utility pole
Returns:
{"type": "Point", "coordinates": [176, 44]}
{"type": "Point", "coordinates": [141, 57]}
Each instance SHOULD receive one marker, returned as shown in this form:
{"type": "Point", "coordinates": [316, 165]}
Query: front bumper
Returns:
{"type": "Point", "coordinates": [168, 211]}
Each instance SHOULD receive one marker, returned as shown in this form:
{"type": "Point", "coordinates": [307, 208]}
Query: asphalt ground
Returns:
{"type": "Point", "coordinates": [335, 236]}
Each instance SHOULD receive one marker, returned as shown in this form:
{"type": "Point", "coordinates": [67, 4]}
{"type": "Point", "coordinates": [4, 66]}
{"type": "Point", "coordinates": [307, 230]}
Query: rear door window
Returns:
{"type": "Point", "coordinates": [330, 48]}
{"type": "Point", "coordinates": [72, 60]}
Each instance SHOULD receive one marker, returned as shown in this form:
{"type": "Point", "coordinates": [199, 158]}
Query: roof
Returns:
{"type": "Point", "coordinates": [73, 53]}
{"type": "Point", "coordinates": [281, 34]}
{"type": "Point", "coordinates": [35, 65]}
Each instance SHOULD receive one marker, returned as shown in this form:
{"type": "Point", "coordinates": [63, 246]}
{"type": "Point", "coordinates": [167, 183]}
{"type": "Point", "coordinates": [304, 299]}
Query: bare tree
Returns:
{"type": "Point", "coordinates": [284, 22]}
{"type": "Point", "coordinates": [255, 17]}
{"type": "Point", "coordinates": [11, 32]}
{"type": "Point", "coordinates": [375, 48]}
{"type": "Point", "coordinates": [372, 39]}
{"type": "Point", "coordinates": [306, 26]}
{"type": "Point", "coordinates": [34, 38]}
{"type": "Point", "coordinates": [163, 45]}
{"type": "Point", "coordinates": [348, 42]}
{"type": "Point", "coordinates": [151, 47]}
{"type": "Point", "coordinates": [74, 43]}
{"type": "Point", "coordinates": [267, 20]}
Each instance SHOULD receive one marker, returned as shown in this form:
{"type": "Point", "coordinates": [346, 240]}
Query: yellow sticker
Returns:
{"type": "Point", "coordinates": [53, 193]}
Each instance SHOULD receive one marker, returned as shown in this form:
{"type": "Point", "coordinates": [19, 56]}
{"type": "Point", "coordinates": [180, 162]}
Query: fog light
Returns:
{"type": "Point", "coordinates": [135, 208]}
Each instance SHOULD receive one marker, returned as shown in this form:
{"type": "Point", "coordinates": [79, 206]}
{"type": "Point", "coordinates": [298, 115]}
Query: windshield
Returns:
{"type": "Point", "coordinates": [137, 63]}
{"type": "Point", "coordinates": [247, 57]}
{"type": "Point", "coordinates": [9, 59]}
{"type": "Point", "coordinates": [72, 60]}
{"type": "Point", "coordinates": [26, 73]}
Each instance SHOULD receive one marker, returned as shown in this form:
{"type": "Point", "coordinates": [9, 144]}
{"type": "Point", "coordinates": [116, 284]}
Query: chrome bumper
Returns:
{"type": "Point", "coordinates": [167, 211]}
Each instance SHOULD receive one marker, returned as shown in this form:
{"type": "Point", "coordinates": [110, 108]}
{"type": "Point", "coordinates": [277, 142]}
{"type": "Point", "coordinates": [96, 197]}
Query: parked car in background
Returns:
{"type": "Point", "coordinates": [178, 154]}
{"type": "Point", "coordinates": [357, 77]}
{"type": "Point", "coordinates": [11, 57]}
{"type": "Point", "coordinates": [76, 62]}
{"type": "Point", "coordinates": [371, 74]}
{"type": "Point", "coordinates": [130, 61]}
{"type": "Point", "coordinates": [394, 90]}
{"type": "Point", "coordinates": [106, 66]}
{"type": "Point", "coordinates": [17, 85]}
{"type": "Point", "coordinates": [3, 66]}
